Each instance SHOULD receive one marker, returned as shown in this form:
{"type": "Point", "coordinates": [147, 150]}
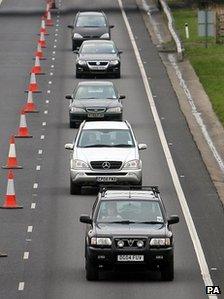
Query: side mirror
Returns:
{"type": "Point", "coordinates": [120, 52]}
{"type": "Point", "coordinates": [85, 219]}
{"type": "Point", "coordinates": [76, 51]}
{"type": "Point", "coordinates": [111, 26]}
{"type": "Point", "coordinates": [68, 97]}
{"type": "Point", "coordinates": [122, 96]}
{"type": "Point", "coordinates": [69, 146]}
{"type": "Point", "coordinates": [173, 219]}
{"type": "Point", "coordinates": [70, 26]}
{"type": "Point", "coordinates": [142, 146]}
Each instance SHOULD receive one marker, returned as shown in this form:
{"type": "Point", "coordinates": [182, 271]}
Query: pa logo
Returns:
{"type": "Point", "coordinates": [213, 290]}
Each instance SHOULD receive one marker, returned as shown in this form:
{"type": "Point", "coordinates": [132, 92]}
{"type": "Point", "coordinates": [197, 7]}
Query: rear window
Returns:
{"type": "Point", "coordinates": [91, 21]}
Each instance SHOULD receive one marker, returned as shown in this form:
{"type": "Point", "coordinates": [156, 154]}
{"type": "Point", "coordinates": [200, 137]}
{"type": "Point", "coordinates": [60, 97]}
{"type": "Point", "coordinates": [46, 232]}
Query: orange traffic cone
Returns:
{"type": "Point", "coordinates": [10, 197]}
{"type": "Point", "coordinates": [3, 254]}
{"type": "Point", "coordinates": [12, 162]}
{"type": "Point", "coordinates": [43, 28]}
{"type": "Point", "coordinates": [30, 106]}
{"type": "Point", "coordinates": [23, 131]}
{"type": "Point", "coordinates": [42, 41]}
{"type": "Point", "coordinates": [49, 21]}
{"type": "Point", "coordinates": [33, 86]}
{"type": "Point", "coordinates": [39, 52]}
{"type": "Point", "coordinates": [37, 68]}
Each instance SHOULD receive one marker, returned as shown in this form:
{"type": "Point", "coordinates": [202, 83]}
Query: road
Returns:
{"type": "Point", "coordinates": [48, 226]}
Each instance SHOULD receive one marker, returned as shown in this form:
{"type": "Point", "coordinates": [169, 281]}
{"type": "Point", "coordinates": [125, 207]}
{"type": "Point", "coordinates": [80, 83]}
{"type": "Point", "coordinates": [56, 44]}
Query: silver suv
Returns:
{"type": "Point", "coordinates": [104, 152]}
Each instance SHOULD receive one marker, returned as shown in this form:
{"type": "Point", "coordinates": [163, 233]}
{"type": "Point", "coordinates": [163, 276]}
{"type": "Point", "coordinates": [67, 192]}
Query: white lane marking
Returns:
{"type": "Point", "coordinates": [53, 58]}
{"type": "Point", "coordinates": [21, 286]}
{"type": "Point", "coordinates": [55, 46]}
{"type": "Point", "coordinates": [197, 114]}
{"type": "Point", "coordinates": [57, 25]}
{"type": "Point", "coordinates": [40, 152]}
{"type": "Point", "coordinates": [44, 124]}
{"type": "Point", "coordinates": [52, 66]}
{"type": "Point", "coordinates": [33, 206]}
{"type": "Point", "coordinates": [47, 101]}
{"type": "Point", "coordinates": [51, 74]}
{"type": "Point", "coordinates": [42, 137]}
{"type": "Point", "coordinates": [38, 167]}
{"type": "Point", "coordinates": [184, 206]}
{"type": "Point", "coordinates": [30, 229]}
{"type": "Point", "coordinates": [26, 255]}
{"type": "Point", "coordinates": [56, 34]}
{"type": "Point", "coordinates": [49, 82]}
{"type": "Point", "coordinates": [56, 29]}
{"type": "Point", "coordinates": [55, 40]}
{"type": "Point", "coordinates": [48, 91]}
{"type": "Point", "coordinates": [53, 52]}
{"type": "Point", "coordinates": [45, 111]}
{"type": "Point", "coordinates": [35, 185]}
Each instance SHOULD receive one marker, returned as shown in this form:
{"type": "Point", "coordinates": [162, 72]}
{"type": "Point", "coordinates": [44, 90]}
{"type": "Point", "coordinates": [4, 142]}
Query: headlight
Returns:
{"type": "Point", "coordinates": [132, 164]}
{"type": "Point", "coordinates": [114, 62]}
{"type": "Point", "coordinates": [77, 35]}
{"type": "Point", "coordinates": [101, 241]}
{"type": "Point", "coordinates": [114, 110]}
{"type": "Point", "coordinates": [79, 164]}
{"type": "Point", "coordinates": [81, 62]}
{"type": "Point", "coordinates": [160, 242]}
{"type": "Point", "coordinates": [105, 35]}
{"type": "Point", "coordinates": [74, 109]}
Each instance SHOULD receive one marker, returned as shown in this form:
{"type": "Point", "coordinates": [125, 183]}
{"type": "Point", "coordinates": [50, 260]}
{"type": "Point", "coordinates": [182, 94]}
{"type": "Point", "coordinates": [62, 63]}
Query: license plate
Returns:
{"type": "Point", "coordinates": [106, 179]}
{"type": "Point", "coordinates": [95, 115]}
{"type": "Point", "coordinates": [130, 258]}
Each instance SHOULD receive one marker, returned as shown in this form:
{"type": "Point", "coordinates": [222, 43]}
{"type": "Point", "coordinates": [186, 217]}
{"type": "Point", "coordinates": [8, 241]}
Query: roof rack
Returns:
{"type": "Point", "coordinates": [103, 189]}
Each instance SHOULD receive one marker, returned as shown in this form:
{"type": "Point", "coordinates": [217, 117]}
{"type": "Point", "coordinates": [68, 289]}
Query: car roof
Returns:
{"type": "Point", "coordinates": [130, 195]}
{"type": "Point", "coordinates": [95, 83]}
{"type": "Point", "coordinates": [100, 13]}
{"type": "Point", "coordinates": [122, 125]}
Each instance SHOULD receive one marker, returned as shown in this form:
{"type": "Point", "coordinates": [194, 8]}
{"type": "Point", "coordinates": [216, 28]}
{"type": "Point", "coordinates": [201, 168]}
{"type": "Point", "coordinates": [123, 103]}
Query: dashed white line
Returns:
{"type": "Point", "coordinates": [42, 137]}
{"type": "Point", "coordinates": [56, 29]}
{"type": "Point", "coordinates": [30, 229]}
{"type": "Point", "coordinates": [56, 34]}
{"type": "Point", "coordinates": [21, 286]}
{"type": "Point", "coordinates": [53, 52]}
{"type": "Point", "coordinates": [38, 167]}
{"type": "Point", "coordinates": [49, 82]}
{"type": "Point", "coordinates": [44, 124]}
{"type": "Point", "coordinates": [46, 112]}
{"type": "Point", "coordinates": [47, 101]}
{"type": "Point", "coordinates": [35, 185]}
{"type": "Point", "coordinates": [51, 74]}
{"type": "Point", "coordinates": [55, 46]}
{"type": "Point", "coordinates": [52, 66]}
{"type": "Point", "coordinates": [33, 205]}
{"type": "Point", "coordinates": [48, 91]}
{"type": "Point", "coordinates": [26, 255]}
{"type": "Point", "coordinates": [40, 152]}
{"type": "Point", "coordinates": [55, 40]}
{"type": "Point", "coordinates": [53, 58]}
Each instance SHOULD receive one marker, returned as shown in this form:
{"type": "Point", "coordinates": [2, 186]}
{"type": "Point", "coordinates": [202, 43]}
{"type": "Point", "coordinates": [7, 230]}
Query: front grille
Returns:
{"type": "Point", "coordinates": [106, 165]}
{"type": "Point", "coordinates": [98, 63]}
{"type": "Point", "coordinates": [130, 242]}
{"type": "Point", "coordinates": [96, 110]}
{"type": "Point", "coordinates": [106, 173]}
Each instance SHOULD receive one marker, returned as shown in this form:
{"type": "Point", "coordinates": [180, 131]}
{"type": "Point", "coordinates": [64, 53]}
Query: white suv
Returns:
{"type": "Point", "coordinates": [104, 152]}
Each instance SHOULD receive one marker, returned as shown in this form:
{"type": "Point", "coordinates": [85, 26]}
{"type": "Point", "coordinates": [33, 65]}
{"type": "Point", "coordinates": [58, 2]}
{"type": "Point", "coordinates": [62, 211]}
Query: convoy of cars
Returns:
{"type": "Point", "coordinates": [128, 226]}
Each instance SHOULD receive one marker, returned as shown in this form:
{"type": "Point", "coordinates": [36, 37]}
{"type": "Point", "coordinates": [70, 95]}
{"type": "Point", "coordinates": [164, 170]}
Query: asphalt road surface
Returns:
{"type": "Point", "coordinates": [44, 240]}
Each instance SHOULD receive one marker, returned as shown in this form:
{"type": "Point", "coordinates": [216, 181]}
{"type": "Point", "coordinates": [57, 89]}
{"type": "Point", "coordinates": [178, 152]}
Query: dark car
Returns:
{"type": "Point", "coordinates": [129, 228]}
{"type": "Point", "coordinates": [98, 57]}
{"type": "Point", "coordinates": [94, 100]}
{"type": "Point", "coordinates": [89, 25]}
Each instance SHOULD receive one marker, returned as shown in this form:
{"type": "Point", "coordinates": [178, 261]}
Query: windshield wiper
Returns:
{"type": "Point", "coordinates": [88, 98]}
{"type": "Point", "coordinates": [137, 222]}
{"type": "Point", "coordinates": [97, 145]}
{"type": "Point", "coordinates": [122, 145]}
{"type": "Point", "coordinates": [123, 222]}
{"type": "Point", "coordinates": [150, 222]}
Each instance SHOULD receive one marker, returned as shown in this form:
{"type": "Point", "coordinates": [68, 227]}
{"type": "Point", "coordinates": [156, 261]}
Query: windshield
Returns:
{"type": "Point", "coordinates": [105, 138]}
{"type": "Point", "coordinates": [95, 92]}
{"type": "Point", "coordinates": [91, 21]}
{"type": "Point", "coordinates": [133, 211]}
{"type": "Point", "coordinates": [98, 48]}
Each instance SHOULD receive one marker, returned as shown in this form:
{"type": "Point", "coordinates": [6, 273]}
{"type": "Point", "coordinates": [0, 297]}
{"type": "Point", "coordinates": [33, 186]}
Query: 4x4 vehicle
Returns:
{"type": "Point", "coordinates": [129, 227]}
{"type": "Point", "coordinates": [104, 152]}
{"type": "Point", "coordinates": [98, 57]}
{"type": "Point", "coordinates": [94, 100]}
{"type": "Point", "coordinates": [89, 25]}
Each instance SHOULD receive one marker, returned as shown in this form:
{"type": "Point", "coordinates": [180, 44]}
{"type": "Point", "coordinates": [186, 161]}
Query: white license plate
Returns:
{"type": "Point", "coordinates": [130, 258]}
{"type": "Point", "coordinates": [106, 179]}
{"type": "Point", "coordinates": [95, 115]}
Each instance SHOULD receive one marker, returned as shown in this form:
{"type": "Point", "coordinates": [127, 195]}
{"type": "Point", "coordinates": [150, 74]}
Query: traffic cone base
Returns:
{"type": "Point", "coordinates": [3, 254]}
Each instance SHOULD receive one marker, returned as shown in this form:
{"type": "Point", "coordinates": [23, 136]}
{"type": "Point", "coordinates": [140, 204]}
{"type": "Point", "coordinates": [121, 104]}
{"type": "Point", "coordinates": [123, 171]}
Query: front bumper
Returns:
{"type": "Point", "coordinates": [85, 69]}
{"type": "Point", "coordinates": [79, 117]}
{"type": "Point", "coordinates": [106, 258]}
{"type": "Point", "coordinates": [93, 178]}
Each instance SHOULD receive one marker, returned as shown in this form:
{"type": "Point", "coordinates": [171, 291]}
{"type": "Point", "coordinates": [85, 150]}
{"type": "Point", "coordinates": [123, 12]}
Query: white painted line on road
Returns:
{"type": "Point", "coordinates": [182, 199]}
{"type": "Point", "coordinates": [21, 286]}
{"type": "Point", "coordinates": [33, 205]}
{"type": "Point", "coordinates": [47, 101]}
{"type": "Point", "coordinates": [48, 91]}
{"type": "Point", "coordinates": [57, 25]}
{"type": "Point", "coordinates": [38, 167]}
{"type": "Point", "coordinates": [40, 152]}
{"type": "Point", "coordinates": [56, 34]}
{"type": "Point", "coordinates": [49, 82]}
{"type": "Point", "coordinates": [35, 185]}
{"type": "Point", "coordinates": [42, 137]}
{"type": "Point", "coordinates": [26, 255]}
{"type": "Point", "coordinates": [197, 114]}
{"type": "Point", "coordinates": [30, 229]}
{"type": "Point", "coordinates": [55, 40]}
{"type": "Point", "coordinates": [54, 52]}
{"type": "Point", "coordinates": [52, 66]}
{"type": "Point", "coordinates": [51, 74]}
{"type": "Point", "coordinates": [44, 124]}
{"type": "Point", "coordinates": [56, 29]}
{"type": "Point", "coordinates": [45, 111]}
{"type": "Point", "coordinates": [53, 58]}
{"type": "Point", "coordinates": [55, 46]}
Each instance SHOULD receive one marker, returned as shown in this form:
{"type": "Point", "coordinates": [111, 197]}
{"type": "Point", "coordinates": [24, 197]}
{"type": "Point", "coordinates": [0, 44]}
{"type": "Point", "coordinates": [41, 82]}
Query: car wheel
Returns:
{"type": "Point", "coordinates": [118, 74]}
{"type": "Point", "coordinates": [167, 271]}
{"type": "Point", "coordinates": [92, 273]}
{"type": "Point", "coordinates": [78, 75]}
{"type": "Point", "coordinates": [74, 188]}
{"type": "Point", "coordinates": [74, 46]}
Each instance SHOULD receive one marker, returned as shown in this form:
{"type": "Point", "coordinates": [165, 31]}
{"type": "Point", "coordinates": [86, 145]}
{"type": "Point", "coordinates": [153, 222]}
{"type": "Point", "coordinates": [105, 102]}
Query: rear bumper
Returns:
{"type": "Point", "coordinates": [79, 117]}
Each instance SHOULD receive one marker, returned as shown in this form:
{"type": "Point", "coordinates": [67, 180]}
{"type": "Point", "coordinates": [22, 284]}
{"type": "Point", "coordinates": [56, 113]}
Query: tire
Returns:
{"type": "Point", "coordinates": [118, 74]}
{"type": "Point", "coordinates": [72, 124]}
{"type": "Point", "coordinates": [92, 273]}
{"type": "Point", "coordinates": [74, 46]}
{"type": "Point", "coordinates": [167, 272]}
{"type": "Point", "coordinates": [74, 189]}
{"type": "Point", "coordinates": [78, 75]}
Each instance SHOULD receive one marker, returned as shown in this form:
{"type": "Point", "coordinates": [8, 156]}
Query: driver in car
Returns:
{"type": "Point", "coordinates": [112, 213]}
